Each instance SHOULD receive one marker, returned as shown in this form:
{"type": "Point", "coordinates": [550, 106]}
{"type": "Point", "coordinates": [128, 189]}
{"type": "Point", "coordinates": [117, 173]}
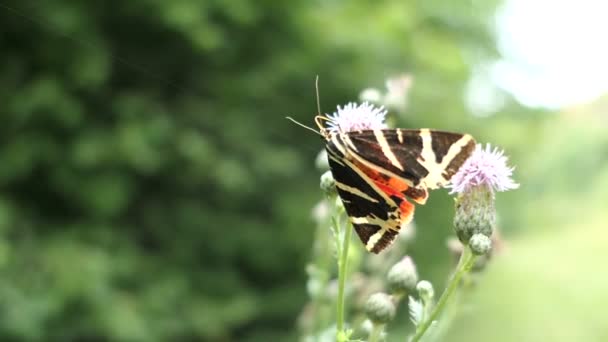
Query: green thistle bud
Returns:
{"type": "Point", "coordinates": [380, 308]}
{"type": "Point", "coordinates": [402, 277]}
{"type": "Point", "coordinates": [456, 248]}
{"type": "Point", "coordinates": [328, 184]}
{"type": "Point", "coordinates": [480, 244]}
{"type": "Point", "coordinates": [475, 213]}
{"type": "Point", "coordinates": [485, 172]}
{"type": "Point", "coordinates": [425, 290]}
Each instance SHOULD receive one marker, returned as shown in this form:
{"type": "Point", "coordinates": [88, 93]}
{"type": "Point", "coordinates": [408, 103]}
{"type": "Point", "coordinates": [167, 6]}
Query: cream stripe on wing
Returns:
{"type": "Point", "coordinates": [455, 149]}
{"type": "Point", "coordinates": [349, 143]}
{"type": "Point", "coordinates": [371, 183]}
{"type": "Point", "coordinates": [355, 192]}
{"type": "Point", "coordinates": [400, 135]}
{"type": "Point", "coordinates": [386, 149]}
{"type": "Point", "coordinates": [334, 158]}
{"type": "Point", "coordinates": [373, 240]}
{"type": "Point", "coordinates": [362, 175]}
{"type": "Point", "coordinates": [435, 177]}
{"type": "Point", "coordinates": [381, 169]}
{"type": "Point", "coordinates": [427, 155]}
{"type": "Point", "coordinates": [369, 220]}
{"type": "Point", "coordinates": [337, 142]}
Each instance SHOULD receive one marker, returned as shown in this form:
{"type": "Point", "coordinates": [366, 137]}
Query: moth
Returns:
{"type": "Point", "coordinates": [377, 172]}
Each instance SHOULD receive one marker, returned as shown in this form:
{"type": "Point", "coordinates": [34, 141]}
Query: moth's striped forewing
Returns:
{"type": "Point", "coordinates": [376, 171]}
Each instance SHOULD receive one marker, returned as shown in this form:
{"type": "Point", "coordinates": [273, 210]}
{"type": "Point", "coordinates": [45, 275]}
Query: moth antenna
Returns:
{"type": "Point", "coordinates": [318, 99]}
{"type": "Point", "coordinates": [302, 125]}
{"type": "Point", "coordinates": [320, 117]}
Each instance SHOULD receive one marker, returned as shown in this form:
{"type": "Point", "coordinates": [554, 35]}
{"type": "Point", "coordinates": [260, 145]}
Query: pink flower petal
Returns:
{"type": "Point", "coordinates": [353, 117]}
{"type": "Point", "coordinates": [485, 167]}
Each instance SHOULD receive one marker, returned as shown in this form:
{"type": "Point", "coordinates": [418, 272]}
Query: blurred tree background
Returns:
{"type": "Point", "coordinates": [151, 188]}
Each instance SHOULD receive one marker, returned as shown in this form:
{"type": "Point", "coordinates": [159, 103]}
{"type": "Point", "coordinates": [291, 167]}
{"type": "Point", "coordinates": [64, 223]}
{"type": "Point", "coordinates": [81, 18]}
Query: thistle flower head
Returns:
{"type": "Point", "coordinates": [380, 308]}
{"type": "Point", "coordinates": [486, 167]}
{"type": "Point", "coordinates": [354, 117]}
{"type": "Point", "coordinates": [485, 172]}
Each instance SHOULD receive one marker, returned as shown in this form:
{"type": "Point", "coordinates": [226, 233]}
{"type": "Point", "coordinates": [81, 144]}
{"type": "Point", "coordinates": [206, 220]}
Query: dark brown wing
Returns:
{"type": "Point", "coordinates": [424, 158]}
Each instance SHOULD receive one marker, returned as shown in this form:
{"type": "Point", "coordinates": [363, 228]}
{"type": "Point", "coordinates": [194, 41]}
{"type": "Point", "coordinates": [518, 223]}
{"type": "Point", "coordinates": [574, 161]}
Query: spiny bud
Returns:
{"type": "Point", "coordinates": [328, 183]}
{"type": "Point", "coordinates": [480, 244]}
{"type": "Point", "coordinates": [475, 213]}
{"type": "Point", "coordinates": [402, 277]}
{"type": "Point", "coordinates": [425, 290]}
{"type": "Point", "coordinates": [380, 308]}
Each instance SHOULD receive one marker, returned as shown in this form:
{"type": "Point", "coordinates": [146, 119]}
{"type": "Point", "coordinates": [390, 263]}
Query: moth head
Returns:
{"type": "Point", "coordinates": [319, 120]}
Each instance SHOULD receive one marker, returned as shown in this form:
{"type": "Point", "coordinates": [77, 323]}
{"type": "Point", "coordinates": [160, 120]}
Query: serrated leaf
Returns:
{"type": "Point", "coordinates": [416, 310]}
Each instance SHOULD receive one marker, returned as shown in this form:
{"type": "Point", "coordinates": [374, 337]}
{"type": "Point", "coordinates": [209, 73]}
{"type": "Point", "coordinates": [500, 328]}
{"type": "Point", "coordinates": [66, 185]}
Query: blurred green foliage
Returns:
{"type": "Point", "coordinates": [151, 187]}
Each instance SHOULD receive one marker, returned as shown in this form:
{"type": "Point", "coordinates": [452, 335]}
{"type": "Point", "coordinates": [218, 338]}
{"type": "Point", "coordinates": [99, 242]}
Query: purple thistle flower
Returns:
{"type": "Point", "coordinates": [485, 167]}
{"type": "Point", "coordinates": [485, 172]}
{"type": "Point", "coordinates": [353, 117]}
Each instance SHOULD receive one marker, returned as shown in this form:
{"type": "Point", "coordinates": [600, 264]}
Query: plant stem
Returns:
{"type": "Point", "coordinates": [449, 314]}
{"type": "Point", "coordinates": [467, 260]}
{"type": "Point", "coordinates": [374, 335]}
{"type": "Point", "coordinates": [342, 268]}
{"type": "Point", "coordinates": [323, 261]}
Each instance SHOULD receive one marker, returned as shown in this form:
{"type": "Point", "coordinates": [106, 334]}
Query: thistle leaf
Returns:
{"type": "Point", "coordinates": [416, 310]}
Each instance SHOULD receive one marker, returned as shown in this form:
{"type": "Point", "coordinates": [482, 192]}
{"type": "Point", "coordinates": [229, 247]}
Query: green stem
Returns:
{"type": "Point", "coordinates": [466, 262]}
{"type": "Point", "coordinates": [323, 260]}
{"type": "Point", "coordinates": [374, 335]}
{"type": "Point", "coordinates": [342, 268]}
{"type": "Point", "coordinates": [449, 314]}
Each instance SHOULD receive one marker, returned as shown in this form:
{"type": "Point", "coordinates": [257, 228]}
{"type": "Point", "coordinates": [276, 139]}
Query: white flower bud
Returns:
{"type": "Point", "coordinates": [425, 290]}
{"type": "Point", "coordinates": [480, 244]}
{"type": "Point", "coordinates": [380, 308]}
{"type": "Point", "coordinates": [402, 277]}
{"type": "Point", "coordinates": [328, 183]}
